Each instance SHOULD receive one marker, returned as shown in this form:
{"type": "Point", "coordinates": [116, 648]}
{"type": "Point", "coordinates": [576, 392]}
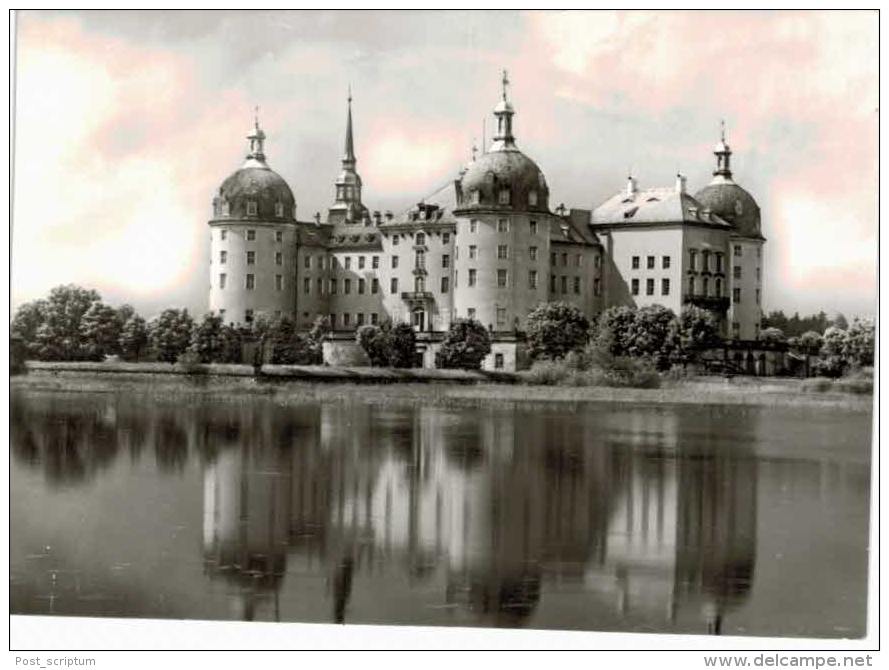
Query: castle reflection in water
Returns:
{"type": "Point", "coordinates": [492, 507]}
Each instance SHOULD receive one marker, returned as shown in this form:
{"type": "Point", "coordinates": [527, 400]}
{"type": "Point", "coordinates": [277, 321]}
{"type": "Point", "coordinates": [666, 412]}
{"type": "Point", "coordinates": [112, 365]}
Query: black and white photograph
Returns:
{"type": "Point", "coordinates": [444, 329]}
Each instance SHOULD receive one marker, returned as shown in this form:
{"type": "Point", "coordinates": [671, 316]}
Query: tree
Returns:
{"type": "Point", "coordinates": [831, 361]}
{"type": "Point", "coordinates": [840, 322]}
{"type": "Point", "coordinates": [810, 342]}
{"type": "Point", "coordinates": [772, 336]}
{"type": "Point", "coordinates": [402, 346]}
{"type": "Point", "coordinates": [230, 349]}
{"type": "Point", "coordinates": [27, 320]}
{"type": "Point", "coordinates": [612, 333]}
{"type": "Point", "coordinates": [694, 331]}
{"type": "Point", "coordinates": [133, 338]}
{"type": "Point", "coordinates": [556, 328]}
{"type": "Point", "coordinates": [170, 334]}
{"type": "Point", "coordinates": [858, 346]}
{"type": "Point", "coordinates": [652, 335]}
{"type": "Point", "coordinates": [375, 343]}
{"type": "Point", "coordinates": [59, 336]}
{"type": "Point", "coordinates": [206, 340]}
{"type": "Point", "coordinates": [465, 345]}
{"type": "Point", "coordinates": [100, 332]}
{"type": "Point", "coordinates": [314, 342]}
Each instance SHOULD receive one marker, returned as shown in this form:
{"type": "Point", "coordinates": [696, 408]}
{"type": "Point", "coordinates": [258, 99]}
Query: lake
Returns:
{"type": "Point", "coordinates": [593, 516]}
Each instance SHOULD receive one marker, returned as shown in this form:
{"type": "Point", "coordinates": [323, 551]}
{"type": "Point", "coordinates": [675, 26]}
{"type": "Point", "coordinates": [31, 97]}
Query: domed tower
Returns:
{"type": "Point", "coordinates": [503, 231]}
{"type": "Point", "coordinates": [728, 200]}
{"type": "Point", "coordinates": [253, 241]}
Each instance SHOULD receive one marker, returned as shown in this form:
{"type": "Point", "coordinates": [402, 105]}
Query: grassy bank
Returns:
{"type": "Point", "coordinates": [699, 390]}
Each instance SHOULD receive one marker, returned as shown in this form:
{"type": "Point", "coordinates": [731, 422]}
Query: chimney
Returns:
{"type": "Point", "coordinates": [317, 218]}
{"type": "Point", "coordinates": [389, 215]}
{"type": "Point", "coordinates": [377, 217]}
{"type": "Point", "coordinates": [680, 182]}
{"type": "Point", "coordinates": [632, 188]}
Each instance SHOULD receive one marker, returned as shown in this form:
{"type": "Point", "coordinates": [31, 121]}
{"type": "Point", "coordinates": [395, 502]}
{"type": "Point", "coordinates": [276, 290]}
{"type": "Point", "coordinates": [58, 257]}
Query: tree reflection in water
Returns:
{"type": "Point", "coordinates": [490, 507]}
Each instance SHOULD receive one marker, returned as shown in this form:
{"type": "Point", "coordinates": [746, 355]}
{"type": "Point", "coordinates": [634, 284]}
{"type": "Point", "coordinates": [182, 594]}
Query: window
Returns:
{"type": "Point", "coordinates": [649, 286]}
{"type": "Point", "coordinates": [279, 258]}
{"type": "Point", "coordinates": [552, 259]}
{"type": "Point", "coordinates": [472, 276]}
{"type": "Point", "coordinates": [649, 262]}
{"type": "Point", "coordinates": [501, 278]}
{"type": "Point", "coordinates": [736, 273]}
{"type": "Point", "coordinates": [718, 262]}
{"type": "Point", "coordinates": [635, 262]}
{"type": "Point", "coordinates": [223, 234]}
{"type": "Point", "coordinates": [473, 251]}
{"type": "Point", "coordinates": [223, 257]}
{"type": "Point", "coordinates": [348, 263]}
{"type": "Point", "coordinates": [705, 255]}
{"type": "Point", "coordinates": [564, 259]}
{"type": "Point", "coordinates": [420, 239]}
{"type": "Point", "coordinates": [736, 330]}
{"type": "Point", "coordinates": [635, 287]}
{"type": "Point", "coordinates": [552, 283]}
{"type": "Point", "coordinates": [502, 225]}
{"type": "Point", "coordinates": [564, 284]}
{"type": "Point", "coordinates": [503, 196]}
{"type": "Point", "coordinates": [307, 261]}
{"type": "Point", "coordinates": [578, 260]}
{"type": "Point", "coordinates": [470, 312]}
{"type": "Point", "coordinates": [597, 287]}
{"type": "Point", "coordinates": [395, 239]}
{"type": "Point", "coordinates": [665, 286]}
{"type": "Point", "coordinates": [319, 262]}
{"type": "Point", "coordinates": [251, 282]}
{"type": "Point", "coordinates": [501, 316]}
{"type": "Point", "coordinates": [279, 235]}
{"type": "Point", "coordinates": [375, 262]}
{"type": "Point", "coordinates": [476, 197]}
{"type": "Point", "coordinates": [665, 263]}
{"type": "Point", "coordinates": [532, 253]}
{"type": "Point", "coordinates": [333, 284]}
{"type": "Point", "coordinates": [361, 262]}
{"type": "Point", "coordinates": [374, 285]}
{"type": "Point", "coordinates": [248, 315]}
{"type": "Point", "coordinates": [445, 238]}
{"type": "Point", "coordinates": [692, 259]}
{"type": "Point", "coordinates": [502, 251]}
{"type": "Point", "coordinates": [473, 225]}
{"type": "Point", "coordinates": [279, 212]}
{"type": "Point", "coordinates": [347, 319]}
{"type": "Point", "coordinates": [445, 260]}
{"type": "Point", "coordinates": [758, 274]}
{"type": "Point", "coordinates": [251, 208]}
{"type": "Point", "coordinates": [420, 260]}
{"type": "Point", "coordinates": [737, 250]}
{"type": "Point", "coordinates": [374, 318]}
{"type": "Point", "coordinates": [420, 284]}
{"type": "Point", "coordinates": [393, 285]}
{"type": "Point", "coordinates": [279, 282]}
{"type": "Point", "coordinates": [717, 286]}
{"type": "Point", "coordinates": [319, 285]}
{"type": "Point", "coordinates": [758, 295]}
{"type": "Point", "coordinates": [360, 320]}
{"type": "Point", "coordinates": [597, 261]}
{"type": "Point", "coordinates": [307, 285]}
{"type": "Point", "coordinates": [532, 279]}
{"type": "Point", "coordinates": [532, 227]}
{"type": "Point", "coordinates": [532, 198]}
{"type": "Point", "coordinates": [394, 262]}
{"type": "Point", "coordinates": [362, 285]}
{"type": "Point", "coordinates": [251, 258]}
{"type": "Point", "coordinates": [251, 235]}
{"type": "Point", "coordinates": [347, 286]}
{"type": "Point", "coordinates": [498, 359]}
{"type": "Point", "coordinates": [222, 280]}
{"type": "Point", "coordinates": [445, 284]}
{"type": "Point", "coordinates": [705, 287]}
{"type": "Point", "coordinates": [691, 285]}
{"type": "Point", "coordinates": [577, 284]}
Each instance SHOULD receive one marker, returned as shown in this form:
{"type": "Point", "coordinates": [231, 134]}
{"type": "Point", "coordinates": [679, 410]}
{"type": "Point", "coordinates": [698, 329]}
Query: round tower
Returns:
{"type": "Point", "coordinates": [503, 232]}
{"type": "Point", "coordinates": [253, 241]}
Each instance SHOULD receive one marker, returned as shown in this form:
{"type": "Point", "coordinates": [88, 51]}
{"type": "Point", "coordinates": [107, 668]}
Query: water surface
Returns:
{"type": "Point", "coordinates": [681, 519]}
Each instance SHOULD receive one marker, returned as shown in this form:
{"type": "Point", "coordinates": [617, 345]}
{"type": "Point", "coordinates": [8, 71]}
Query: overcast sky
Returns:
{"type": "Point", "coordinates": [126, 123]}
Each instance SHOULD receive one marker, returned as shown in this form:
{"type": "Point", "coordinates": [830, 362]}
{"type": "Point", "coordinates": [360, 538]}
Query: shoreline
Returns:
{"type": "Point", "coordinates": [462, 389]}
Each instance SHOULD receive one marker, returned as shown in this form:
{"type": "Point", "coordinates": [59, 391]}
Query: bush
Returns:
{"type": "Point", "coordinates": [603, 370]}
{"type": "Point", "coordinates": [374, 341]}
{"type": "Point", "coordinates": [190, 362]}
{"type": "Point", "coordinates": [554, 329]}
{"type": "Point", "coordinates": [546, 373]}
{"type": "Point", "coordinates": [402, 346]}
{"type": "Point", "coordinates": [464, 347]}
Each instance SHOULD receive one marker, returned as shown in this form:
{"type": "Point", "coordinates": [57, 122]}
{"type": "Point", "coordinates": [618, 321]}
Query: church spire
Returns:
{"type": "Point", "coordinates": [504, 139]}
{"type": "Point", "coordinates": [723, 154]}
{"type": "Point", "coordinates": [349, 152]}
{"type": "Point", "coordinates": [347, 206]}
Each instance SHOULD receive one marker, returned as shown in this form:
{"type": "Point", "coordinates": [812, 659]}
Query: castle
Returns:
{"type": "Point", "coordinates": [487, 247]}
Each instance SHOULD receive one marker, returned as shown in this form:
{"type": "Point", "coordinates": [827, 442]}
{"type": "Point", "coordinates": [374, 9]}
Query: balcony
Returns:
{"type": "Point", "coordinates": [417, 296]}
{"type": "Point", "coordinates": [710, 302]}
{"type": "Point", "coordinates": [419, 270]}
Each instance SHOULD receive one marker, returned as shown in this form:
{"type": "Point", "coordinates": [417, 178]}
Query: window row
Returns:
{"type": "Point", "coordinates": [251, 258]}
{"type": "Point", "coordinates": [420, 238]}
{"type": "Point", "coordinates": [649, 286]}
{"type": "Point", "coordinates": [701, 287]}
{"type": "Point", "coordinates": [578, 259]}
{"type": "Point", "coordinates": [223, 208]}
{"type": "Point", "coordinates": [705, 256]}
{"type": "Point", "coordinates": [650, 262]}
{"type": "Point", "coordinates": [250, 281]}
{"type": "Point", "coordinates": [250, 235]}
{"type": "Point", "coordinates": [346, 321]}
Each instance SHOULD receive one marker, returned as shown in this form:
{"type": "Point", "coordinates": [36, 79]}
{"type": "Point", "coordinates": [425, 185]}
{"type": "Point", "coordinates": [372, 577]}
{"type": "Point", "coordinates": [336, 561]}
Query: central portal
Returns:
{"type": "Point", "coordinates": [418, 319]}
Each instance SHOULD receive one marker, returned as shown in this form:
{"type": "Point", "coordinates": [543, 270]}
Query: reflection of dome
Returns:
{"type": "Point", "coordinates": [731, 202]}
{"type": "Point", "coordinates": [261, 185]}
{"type": "Point", "coordinates": [508, 170]}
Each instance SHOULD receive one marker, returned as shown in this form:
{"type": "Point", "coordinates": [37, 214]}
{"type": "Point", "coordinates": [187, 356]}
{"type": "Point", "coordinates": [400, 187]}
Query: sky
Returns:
{"type": "Point", "coordinates": [127, 122]}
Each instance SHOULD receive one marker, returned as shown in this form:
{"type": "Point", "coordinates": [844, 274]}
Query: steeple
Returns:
{"type": "Point", "coordinates": [504, 140]}
{"type": "Point", "coordinates": [723, 154]}
{"type": "Point", "coordinates": [347, 207]}
{"type": "Point", "coordinates": [256, 139]}
{"type": "Point", "coordinates": [349, 152]}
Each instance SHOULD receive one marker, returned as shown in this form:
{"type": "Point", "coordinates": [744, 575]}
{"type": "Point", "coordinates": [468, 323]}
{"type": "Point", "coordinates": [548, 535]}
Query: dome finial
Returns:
{"type": "Point", "coordinates": [256, 138]}
{"type": "Point", "coordinates": [505, 82]}
{"type": "Point", "coordinates": [722, 129]}
{"type": "Point", "coordinates": [504, 140]}
{"type": "Point", "coordinates": [723, 154]}
{"type": "Point", "coordinates": [474, 150]}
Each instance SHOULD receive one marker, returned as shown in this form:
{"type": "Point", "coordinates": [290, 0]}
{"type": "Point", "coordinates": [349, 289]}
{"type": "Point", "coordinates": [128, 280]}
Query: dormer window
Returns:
{"type": "Point", "coordinates": [630, 212]}
{"type": "Point", "coordinates": [226, 208]}
{"type": "Point", "coordinates": [532, 198]}
{"type": "Point", "coordinates": [503, 196]}
{"type": "Point", "coordinates": [476, 197]}
{"type": "Point", "coordinates": [251, 208]}
{"type": "Point", "coordinates": [279, 209]}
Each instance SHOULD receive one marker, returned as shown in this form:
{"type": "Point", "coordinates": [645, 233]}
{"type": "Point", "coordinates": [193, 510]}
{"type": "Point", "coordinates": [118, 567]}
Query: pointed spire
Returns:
{"type": "Point", "coordinates": [349, 152]}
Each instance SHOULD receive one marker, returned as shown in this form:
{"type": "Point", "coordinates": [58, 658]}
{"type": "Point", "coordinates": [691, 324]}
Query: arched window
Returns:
{"type": "Point", "coordinates": [718, 287]}
{"type": "Point", "coordinates": [691, 285]}
{"type": "Point", "coordinates": [532, 198]}
{"type": "Point", "coordinates": [279, 209]}
{"type": "Point", "coordinates": [503, 196]}
{"type": "Point", "coordinates": [476, 197]}
{"type": "Point", "coordinates": [251, 208]}
{"type": "Point", "coordinates": [705, 286]}
{"type": "Point", "coordinates": [226, 208]}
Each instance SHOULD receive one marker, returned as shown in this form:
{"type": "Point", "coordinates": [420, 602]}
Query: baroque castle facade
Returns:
{"type": "Point", "coordinates": [488, 247]}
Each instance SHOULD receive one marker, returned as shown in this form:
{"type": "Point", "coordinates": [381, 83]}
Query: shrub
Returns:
{"type": "Point", "coordinates": [374, 341]}
{"type": "Point", "coordinates": [190, 362]}
{"type": "Point", "coordinates": [170, 334]}
{"type": "Point", "coordinates": [554, 329]}
{"type": "Point", "coordinates": [465, 346]}
{"type": "Point", "coordinates": [546, 373]}
{"type": "Point", "coordinates": [402, 346]}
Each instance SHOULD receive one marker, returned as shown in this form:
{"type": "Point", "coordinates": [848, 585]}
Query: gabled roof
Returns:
{"type": "Point", "coordinates": [655, 205]}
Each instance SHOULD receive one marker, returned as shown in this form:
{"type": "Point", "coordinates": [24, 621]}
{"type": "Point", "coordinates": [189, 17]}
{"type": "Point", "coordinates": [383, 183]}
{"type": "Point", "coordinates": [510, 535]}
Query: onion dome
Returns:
{"type": "Point", "coordinates": [724, 198]}
{"type": "Point", "coordinates": [503, 178]}
{"type": "Point", "coordinates": [255, 191]}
